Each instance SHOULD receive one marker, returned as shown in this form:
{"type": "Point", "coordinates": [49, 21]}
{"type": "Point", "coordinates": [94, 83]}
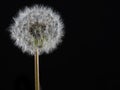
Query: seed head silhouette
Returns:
{"type": "Point", "coordinates": [37, 27]}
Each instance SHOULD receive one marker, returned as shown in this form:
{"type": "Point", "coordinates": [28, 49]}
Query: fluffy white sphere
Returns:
{"type": "Point", "coordinates": [37, 27]}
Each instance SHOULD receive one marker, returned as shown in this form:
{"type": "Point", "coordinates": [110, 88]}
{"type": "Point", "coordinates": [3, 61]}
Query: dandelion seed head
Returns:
{"type": "Point", "coordinates": [37, 27]}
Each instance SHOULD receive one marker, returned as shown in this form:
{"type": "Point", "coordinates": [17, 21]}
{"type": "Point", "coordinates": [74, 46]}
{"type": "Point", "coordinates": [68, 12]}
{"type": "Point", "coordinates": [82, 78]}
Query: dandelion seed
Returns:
{"type": "Point", "coordinates": [38, 27]}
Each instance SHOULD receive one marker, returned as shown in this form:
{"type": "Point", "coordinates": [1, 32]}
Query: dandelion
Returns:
{"type": "Point", "coordinates": [38, 27]}
{"type": "Point", "coordinates": [37, 30]}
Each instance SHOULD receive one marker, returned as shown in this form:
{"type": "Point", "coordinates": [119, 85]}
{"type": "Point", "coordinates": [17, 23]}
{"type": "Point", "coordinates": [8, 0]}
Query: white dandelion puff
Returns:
{"type": "Point", "coordinates": [38, 27]}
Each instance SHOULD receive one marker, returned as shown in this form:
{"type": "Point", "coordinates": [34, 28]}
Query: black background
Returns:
{"type": "Point", "coordinates": [88, 58]}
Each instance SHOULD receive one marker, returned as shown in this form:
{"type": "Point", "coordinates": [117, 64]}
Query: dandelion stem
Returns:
{"type": "Point", "coordinates": [37, 80]}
